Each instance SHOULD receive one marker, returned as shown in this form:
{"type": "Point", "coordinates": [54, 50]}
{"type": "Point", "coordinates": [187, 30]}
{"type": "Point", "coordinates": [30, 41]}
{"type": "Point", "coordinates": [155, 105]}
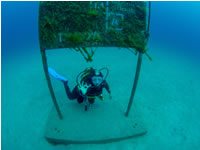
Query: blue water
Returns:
{"type": "Point", "coordinates": [168, 92]}
{"type": "Point", "coordinates": [19, 28]}
{"type": "Point", "coordinates": [175, 24]}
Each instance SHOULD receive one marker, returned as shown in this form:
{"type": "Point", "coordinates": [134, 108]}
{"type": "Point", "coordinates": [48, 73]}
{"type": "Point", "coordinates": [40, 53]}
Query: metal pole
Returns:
{"type": "Point", "coordinates": [45, 67]}
{"type": "Point", "coordinates": [139, 62]}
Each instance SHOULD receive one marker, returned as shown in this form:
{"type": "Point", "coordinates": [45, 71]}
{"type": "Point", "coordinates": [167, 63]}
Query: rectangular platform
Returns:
{"type": "Point", "coordinates": [104, 122]}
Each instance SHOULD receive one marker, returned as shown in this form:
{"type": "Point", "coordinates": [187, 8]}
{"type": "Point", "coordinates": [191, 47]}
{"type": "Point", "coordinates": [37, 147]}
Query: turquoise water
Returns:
{"type": "Point", "coordinates": [167, 98]}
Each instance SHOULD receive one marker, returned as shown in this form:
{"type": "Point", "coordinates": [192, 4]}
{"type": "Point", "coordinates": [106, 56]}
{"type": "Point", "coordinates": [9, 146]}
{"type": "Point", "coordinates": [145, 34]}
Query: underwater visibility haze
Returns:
{"type": "Point", "coordinates": [166, 101]}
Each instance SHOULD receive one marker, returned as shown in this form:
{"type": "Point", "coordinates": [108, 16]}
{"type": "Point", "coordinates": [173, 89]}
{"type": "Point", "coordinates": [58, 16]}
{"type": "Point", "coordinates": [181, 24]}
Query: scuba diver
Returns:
{"type": "Point", "coordinates": [90, 84]}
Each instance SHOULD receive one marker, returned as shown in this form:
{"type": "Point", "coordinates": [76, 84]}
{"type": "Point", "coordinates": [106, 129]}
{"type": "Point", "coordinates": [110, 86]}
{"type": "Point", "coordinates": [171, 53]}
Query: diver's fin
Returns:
{"type": "Point", "coordinates": [54, 74]}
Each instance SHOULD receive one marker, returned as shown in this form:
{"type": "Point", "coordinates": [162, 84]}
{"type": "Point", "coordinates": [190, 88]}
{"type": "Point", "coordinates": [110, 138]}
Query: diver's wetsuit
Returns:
{"type": "Point", "coordinates": [91, 92]}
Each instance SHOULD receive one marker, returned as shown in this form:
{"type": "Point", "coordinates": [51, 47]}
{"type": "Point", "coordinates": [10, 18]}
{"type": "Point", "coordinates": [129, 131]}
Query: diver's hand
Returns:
{"type": "Point", "coordinates": [83, 87]}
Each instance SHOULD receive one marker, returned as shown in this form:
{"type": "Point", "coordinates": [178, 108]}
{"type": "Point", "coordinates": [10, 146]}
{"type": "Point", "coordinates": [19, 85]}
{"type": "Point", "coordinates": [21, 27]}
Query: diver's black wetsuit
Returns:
{"type": "Point", "coordinates": [91, 92]}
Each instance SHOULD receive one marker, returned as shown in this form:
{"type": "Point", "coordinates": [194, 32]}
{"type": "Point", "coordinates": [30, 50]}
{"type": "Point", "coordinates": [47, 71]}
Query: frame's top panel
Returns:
{"type": "Point", "coordinates": [88, 24]}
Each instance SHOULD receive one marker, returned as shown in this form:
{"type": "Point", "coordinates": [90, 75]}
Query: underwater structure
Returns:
{"type": "Point", "coordinates": [82, 26]}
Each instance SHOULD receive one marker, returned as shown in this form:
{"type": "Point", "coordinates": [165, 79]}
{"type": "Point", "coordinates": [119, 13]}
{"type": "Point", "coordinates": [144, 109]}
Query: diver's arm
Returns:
{"type": "Point", "coordinates": [106, 86]}
{"type": "Point", "coordinates": [107, 89]}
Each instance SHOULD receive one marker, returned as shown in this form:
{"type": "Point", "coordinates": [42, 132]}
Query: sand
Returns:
{"type": "Point", "coordinates": [167, 98]}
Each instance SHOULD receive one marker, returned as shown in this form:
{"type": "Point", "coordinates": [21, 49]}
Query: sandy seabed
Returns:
{"type": "Point", "coordinates": [167, 98]}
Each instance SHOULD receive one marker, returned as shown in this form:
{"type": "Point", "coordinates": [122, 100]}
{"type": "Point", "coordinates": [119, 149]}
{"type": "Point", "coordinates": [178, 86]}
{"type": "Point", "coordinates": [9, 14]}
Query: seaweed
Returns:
{"type": "Point", "coordinates": [79, 25]}
{"type": "Point", "coordinates": [87, 55]}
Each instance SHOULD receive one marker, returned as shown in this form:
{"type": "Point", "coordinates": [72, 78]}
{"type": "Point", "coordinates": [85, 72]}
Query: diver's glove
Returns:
{"type": "Point", "coordinates": [83, 87]}
{"type": "Point", "coordinates": [101, 97]}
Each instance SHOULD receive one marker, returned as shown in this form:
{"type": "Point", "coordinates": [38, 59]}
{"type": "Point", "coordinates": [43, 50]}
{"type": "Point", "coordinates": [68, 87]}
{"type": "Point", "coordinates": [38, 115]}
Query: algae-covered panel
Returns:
{"type": "Point", "coordinates": [93, 24]}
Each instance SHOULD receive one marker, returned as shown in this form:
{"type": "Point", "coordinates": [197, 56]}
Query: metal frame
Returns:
{"type": "Point", "coordinates": [45, 67]}
{"type": "Point", "coordinates": [137, 73]}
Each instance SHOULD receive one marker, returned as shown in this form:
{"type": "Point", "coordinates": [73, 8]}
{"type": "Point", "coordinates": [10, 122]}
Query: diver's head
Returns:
{"type": "Point", "coordinates": [97, 78]}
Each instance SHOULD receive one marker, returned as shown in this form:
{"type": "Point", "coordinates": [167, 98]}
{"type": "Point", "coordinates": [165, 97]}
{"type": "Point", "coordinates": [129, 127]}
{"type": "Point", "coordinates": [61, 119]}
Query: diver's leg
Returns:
{"type": "Point", "coordinates": [71, 95]}
{"type": "Point", "coordinates": [80, 99]}
{"type": "Point", "coordinates": [91, 100]}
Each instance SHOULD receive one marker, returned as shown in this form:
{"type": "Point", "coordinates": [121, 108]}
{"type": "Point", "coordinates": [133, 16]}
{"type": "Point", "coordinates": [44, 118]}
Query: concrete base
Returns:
{"type": "Point", "coordinates": [104, 122]}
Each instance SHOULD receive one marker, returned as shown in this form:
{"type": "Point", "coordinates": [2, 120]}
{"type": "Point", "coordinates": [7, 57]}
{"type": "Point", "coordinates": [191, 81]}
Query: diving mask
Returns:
{"type": "Point", "coordinates": [97, 80]}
